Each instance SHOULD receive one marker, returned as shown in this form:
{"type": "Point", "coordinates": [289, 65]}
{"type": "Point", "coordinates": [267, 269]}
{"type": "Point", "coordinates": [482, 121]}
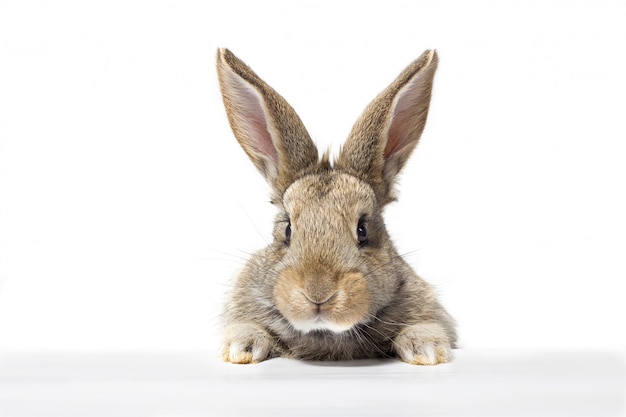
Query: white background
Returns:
{"type": "Point", "coordinates": [126, 205]}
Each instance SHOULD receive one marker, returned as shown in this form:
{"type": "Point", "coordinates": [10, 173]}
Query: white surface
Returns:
{"type": "Point", "coordinates": [126, 204]}
{"type": "Point", "coordinates": [478, 383]}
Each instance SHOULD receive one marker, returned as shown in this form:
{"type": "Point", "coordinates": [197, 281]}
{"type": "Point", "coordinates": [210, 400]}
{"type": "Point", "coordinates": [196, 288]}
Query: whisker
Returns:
{"type": "Point", "coordinates": [364, 337]}
{"type": "Point", "coordinates": [261, 235]}
{"type": "Point", "coordinates": [384, 335]}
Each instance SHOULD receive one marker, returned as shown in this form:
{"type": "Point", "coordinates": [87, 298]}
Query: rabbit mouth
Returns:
{"type": "Point", "coordinates": [311, 301]}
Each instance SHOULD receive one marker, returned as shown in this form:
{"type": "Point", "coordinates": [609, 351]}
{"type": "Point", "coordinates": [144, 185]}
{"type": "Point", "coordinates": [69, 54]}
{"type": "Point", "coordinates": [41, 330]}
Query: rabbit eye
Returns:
{"type": "Point", "coordinates": [288, 233]}
{"type": "Point", "coordinates": [361, 232]}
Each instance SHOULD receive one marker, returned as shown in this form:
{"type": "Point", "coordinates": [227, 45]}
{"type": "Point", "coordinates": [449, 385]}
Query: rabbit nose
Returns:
{"type": "Point", "coordinates": [319, 300]}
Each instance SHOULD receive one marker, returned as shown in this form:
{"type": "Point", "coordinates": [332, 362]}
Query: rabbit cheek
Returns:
{"type": "Point", "coordinates": [310, 305]}
{"type": "Point", "coordinates": [351, 302]}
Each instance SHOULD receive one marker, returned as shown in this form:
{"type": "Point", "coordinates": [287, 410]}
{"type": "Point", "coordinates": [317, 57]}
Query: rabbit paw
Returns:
{"type": "Point", "coordinates": [246, 343]}
{"type": "Point", "coordinates": [423, 344]}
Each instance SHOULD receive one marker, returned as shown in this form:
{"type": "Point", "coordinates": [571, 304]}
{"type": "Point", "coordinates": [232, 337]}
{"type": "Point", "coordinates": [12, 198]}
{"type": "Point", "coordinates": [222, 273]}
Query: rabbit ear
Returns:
{"type": "Point", "coordinates": [383, 138]}
{"type": "Point", "coordinates": [266, 126]}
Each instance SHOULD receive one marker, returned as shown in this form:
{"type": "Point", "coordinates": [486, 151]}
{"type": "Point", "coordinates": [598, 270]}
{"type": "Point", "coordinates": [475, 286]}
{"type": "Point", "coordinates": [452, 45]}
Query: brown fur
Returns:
{"type": "Point", "coordinates": [320, 293]}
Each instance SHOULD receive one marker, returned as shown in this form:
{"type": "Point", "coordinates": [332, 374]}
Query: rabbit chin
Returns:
{"type": "Point", "coordinates": [307, 326]}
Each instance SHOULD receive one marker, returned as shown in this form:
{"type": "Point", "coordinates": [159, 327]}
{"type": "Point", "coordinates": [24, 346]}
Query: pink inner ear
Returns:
{"type": "Point", "coordinates": [253, 121]}
{"type": "Point", "coordinates": [405, 119]}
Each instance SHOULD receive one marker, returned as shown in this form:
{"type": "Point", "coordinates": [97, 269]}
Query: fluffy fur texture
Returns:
{"type": "Point", "coordinates": [331, 285]}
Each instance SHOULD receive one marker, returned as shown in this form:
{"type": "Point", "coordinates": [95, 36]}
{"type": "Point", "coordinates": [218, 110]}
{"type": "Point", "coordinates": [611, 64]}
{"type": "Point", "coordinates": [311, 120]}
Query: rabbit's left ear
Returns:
{"type": "Point", "coordinates": [265, 125]}
{"type": "Point", "coordinates": [383, 138]}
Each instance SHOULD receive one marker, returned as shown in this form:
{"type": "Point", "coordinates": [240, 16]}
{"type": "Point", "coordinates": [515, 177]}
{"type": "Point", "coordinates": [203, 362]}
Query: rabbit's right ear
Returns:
{"type": "Point", "coordinates": [383, 138]}
{"type": "Point", "coordinates": [266, 126]}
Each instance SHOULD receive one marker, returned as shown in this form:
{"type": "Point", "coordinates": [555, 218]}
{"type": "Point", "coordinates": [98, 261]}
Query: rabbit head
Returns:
{"type": "Point", "coordinates": [331, 265]}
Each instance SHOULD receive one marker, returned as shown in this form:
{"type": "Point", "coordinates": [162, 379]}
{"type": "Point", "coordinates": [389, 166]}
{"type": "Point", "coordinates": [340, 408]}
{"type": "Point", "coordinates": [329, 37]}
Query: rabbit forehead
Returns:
{"type": "Point", "coordinates": [330, 192]}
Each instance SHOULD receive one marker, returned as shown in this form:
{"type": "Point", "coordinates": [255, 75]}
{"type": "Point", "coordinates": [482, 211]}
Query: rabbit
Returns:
{"type": "Point", "coordinates": [331, 285]}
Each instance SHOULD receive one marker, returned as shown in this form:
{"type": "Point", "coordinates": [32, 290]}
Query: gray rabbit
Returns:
{"type": "Point", "coordinates": [331, 285]}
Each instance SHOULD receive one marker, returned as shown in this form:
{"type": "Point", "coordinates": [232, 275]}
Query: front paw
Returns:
{"type": "Point", "coordinates": [246, 343]}
{"type": "Point", "coordinates": [423, 344]}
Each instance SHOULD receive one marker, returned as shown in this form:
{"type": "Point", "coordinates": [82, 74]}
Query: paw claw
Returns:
{"type": "Point", "coordinates": [423, 345]}
{"type": "Point", "coordinates": [241, 358]}
{"type": "Point", "coordinates": [441, 355]}
{"type": "Point", "coordinates": [245, 344]}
